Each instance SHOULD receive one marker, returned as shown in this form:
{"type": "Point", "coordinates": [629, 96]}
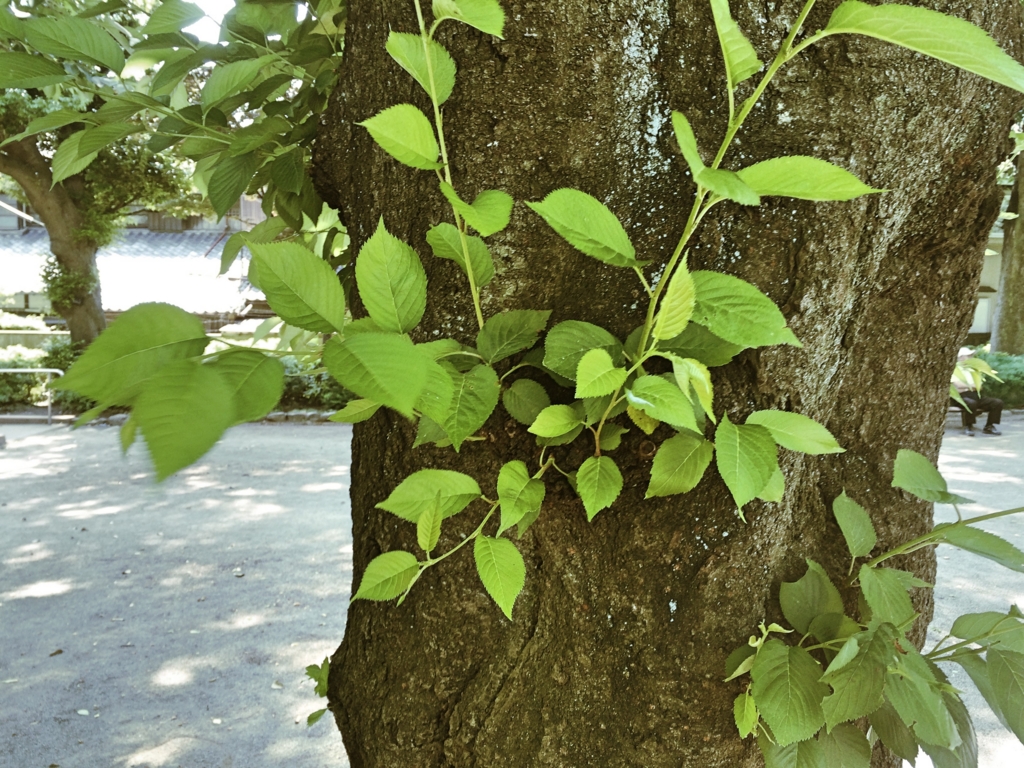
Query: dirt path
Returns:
{"type": "Point", "coordinates": [169, 625]}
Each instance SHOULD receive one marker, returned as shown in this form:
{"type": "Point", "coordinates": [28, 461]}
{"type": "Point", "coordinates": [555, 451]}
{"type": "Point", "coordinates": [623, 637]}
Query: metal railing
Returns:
{"type": "Point", "coordinates": [49, 377]}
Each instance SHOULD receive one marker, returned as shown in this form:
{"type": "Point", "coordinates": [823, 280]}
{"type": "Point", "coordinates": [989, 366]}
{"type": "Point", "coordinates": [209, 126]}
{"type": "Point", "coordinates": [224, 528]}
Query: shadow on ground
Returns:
{"type": "Point", "coordinates": [145, 625]}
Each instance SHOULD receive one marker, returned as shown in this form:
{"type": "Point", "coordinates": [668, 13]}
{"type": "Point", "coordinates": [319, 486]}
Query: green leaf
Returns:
{"type": "Point", "coordinates": [23, 70]}
{"type": "Point", "coordinates": [611, 436]}
{"type": "Point", "coordinates": [893, 732]}
{"type": "Point", "coordinates": [227, 80]}
{"type": "Point", "coordinates": [382, 367]}
{"type": "Point", "coordinates": [746, 459]}
{"type": "Point", "coordinates": [555, 420]}
{"type": "Point", "coordinates": [356, 411]}
{"type": "Point", "coordinates": [288, 170]}
{"type": "Point", "coordinates": [66, 161]}
{"type": "Point", "coordinates": [435, 401]}
{"type": "Point", "coordinates": [489, 213]}
{"type": "Point", "coordinates": [796, 432]}
{"type": "Point", "coordinates": [989, 627]}
{"type": "Point", "coordinates": [391, 282]}
{"type": "Point", "coordinates": [423, 488]}
{"type": "Point", "coordinates": [314, 717]}
{"type": "Point", "coordinates": [172, 16]}
{"type": "Point", "coordinates": [446, 243]}
{"type": "Point", "coordinates": [596, 375]}
{"type": "Point", "coordinates": [387, 576]}
{"type": "Point", "coordinates": [810, 596]}
{"type": "Point", "coordinates": [729, 185]}
{"type": "Point", "coordinates": [739, 662]}
{"type": "Point", "coordinates": [677, 305]}
{"type": "Point", "coordinates": [687, 143]}
{"type": "Point", "coordinates": [265, 232]}
{"type": "Point", "coordinates": [966, 754]}
{"type": "Point", "coordinates": [598, 483]}
{"type": "Point", "coordinates": [744, 712]}
{"type": "Point", "coordinates": [787, 690]}
{"type": "Point", "coordinates": [507, 333]}
{"type": "Point", "coordinates": [501, 570]}
{"type": "Point", "coordinates": [136, 346]}
{"type": "Point", "coordinates": [300, 286]}
{"type": "Point", "coordinates": [182, 412]}
{"type": "Point", "coordinates": [230, 179]}
{"type": "Point", "coordinates": [983, 543]}
{"type": "Point", "coordinates": [48, 122]}
{"type": "Point", "coordinates": [738, 312]}
{"type": "Point", "coordinates": [474, 400]}
{"type": "Point", "coordinates": [855, 524]}
{"type": "Point", "coordinates": [485, 15]}
{"type": "Point", "coordinates": [588, 226]}
{"type": "Point", "coordinates": [914, 693]}
{"type": "Point", "coordinates": [690, 373]}
{"type": "Point", "coordinates": [857, 685]}
{"type": "Point", "coordinates": [256, 382]}
{"type": "Point", "coordinates": [943, 37]}
{"type": "Point", "coordinates": [803, 754]}
{"type": "Point", "coordinates": [918, 476]}
{"type": "Point", "coordinates": [96, 138]}
{"type": "Point", "coordinates": [411, 52]}
{"type": "Point", "coordinates": [846, 747]}
{"type": "Point", "coordinates": [978, 670]}
{"type": "Point", "coordinates": [128, 432]}
{"type": "Point", "coordinates": [518, 493]}
{"type": "Point", "coordinates": [428, 526]}
{"type": "Point", "coordinates": [803, 178]}
{"type": "Point", "coordinates": [886, 595]}
{"type": "Point", "coordinates": [524, 400]}
{"type": "Point", "coordinates": [775, 488]}
{"type": "Point", "coordinates": [740, 57]}
{"type": "Point", "coordinates": [405, 133]}
{"type": "Point", "coordinates": [679, 465]}
{"type": "Point", "coordinates": [700, 344]}
{"type": "Point", "coordinates": [568, 341]}
{"type": "Point", "coordinates": [75, 39]}
{"type": "Point", "coordinates": [663, 401]}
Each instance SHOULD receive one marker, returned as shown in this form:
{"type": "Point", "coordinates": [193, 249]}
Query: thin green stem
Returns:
{"type": "Point", "coordinates": [647, 286]}
{"type": "Point", "coordinates": [513, 369]}
{"type": "Point", "coordinates": [479, 529]}
{"type": "Point", "coordinates": [439, 123]}
{"type": "Point", "coordinates": [935, 535]}
{"type": "Point", "coordinates": [782, 57]}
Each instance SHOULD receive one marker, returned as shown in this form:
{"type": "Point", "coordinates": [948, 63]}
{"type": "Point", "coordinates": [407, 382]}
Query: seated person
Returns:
{"type": "Point", "coordinates": [976, 404]}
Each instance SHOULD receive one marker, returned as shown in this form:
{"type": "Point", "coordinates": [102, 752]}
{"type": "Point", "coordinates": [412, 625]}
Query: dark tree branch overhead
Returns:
{"type": "Point", "coordinates": [615, 657]}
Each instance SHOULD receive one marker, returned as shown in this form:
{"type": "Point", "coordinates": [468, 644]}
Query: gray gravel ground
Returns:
{"type": "Point", "coordinates": [170, 625]}
{"type": "Point", "coordinates": [990, 470]}
{"type": "Point", "coordinates": [185, 613]}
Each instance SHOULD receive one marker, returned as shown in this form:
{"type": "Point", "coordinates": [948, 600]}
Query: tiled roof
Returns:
{"type": "Point", "coordinates": [175, 267]}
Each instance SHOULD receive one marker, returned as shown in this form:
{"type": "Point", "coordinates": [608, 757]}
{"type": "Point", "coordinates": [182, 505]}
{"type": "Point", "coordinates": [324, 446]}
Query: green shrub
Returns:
{"type": "Point", "coordinates": [303, 389]}
{"type": "Point", "coordinates": [20, 388]}
{"type": "Point", "coordinates": [1010, 369]}
{"type": "Point", "coordinates": [11, 322]}
{"type": "Point", "coordinates": [61, 353]}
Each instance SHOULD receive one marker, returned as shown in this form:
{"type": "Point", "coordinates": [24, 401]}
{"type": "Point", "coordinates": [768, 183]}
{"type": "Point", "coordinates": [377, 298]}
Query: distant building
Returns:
{"type": "Point", "coordinates": [155, 258]}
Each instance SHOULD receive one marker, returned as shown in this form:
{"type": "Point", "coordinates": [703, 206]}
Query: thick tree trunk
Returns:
{"type": "Point", "coordinates": [1008, 320]}
{"type": "Point", "coordinates": [615, 657]}
{"type": "Point", "coordinates": [80, 304]}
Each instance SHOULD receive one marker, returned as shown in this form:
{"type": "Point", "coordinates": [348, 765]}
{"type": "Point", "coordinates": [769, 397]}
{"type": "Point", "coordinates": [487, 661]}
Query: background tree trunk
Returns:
{"type": "Point", "coordinates": [81, 307]}
{"type": "Point", "coordinates": [615, 657]}
{"type": "Point", "coordinates": [1008, 319]}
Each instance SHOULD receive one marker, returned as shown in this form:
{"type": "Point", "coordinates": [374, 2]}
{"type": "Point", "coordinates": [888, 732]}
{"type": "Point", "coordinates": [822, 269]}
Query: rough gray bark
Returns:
{"type": "Point", "coordinates": [616, 653]}
{"type": "Point", "coordinates": [56, 207]}
{"type": "Point", "coordinates": [1008, 320]}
